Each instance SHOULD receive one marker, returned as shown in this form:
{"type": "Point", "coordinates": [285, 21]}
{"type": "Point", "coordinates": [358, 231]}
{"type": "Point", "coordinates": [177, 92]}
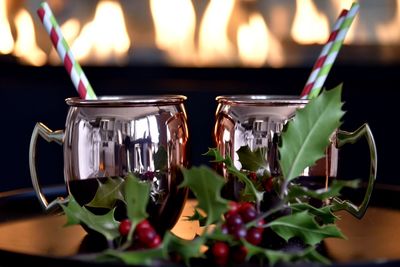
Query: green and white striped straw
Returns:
{"type": "Point", "coordinates": [334, 51]}
{"type": "Point", "coordinates": [72, 66]}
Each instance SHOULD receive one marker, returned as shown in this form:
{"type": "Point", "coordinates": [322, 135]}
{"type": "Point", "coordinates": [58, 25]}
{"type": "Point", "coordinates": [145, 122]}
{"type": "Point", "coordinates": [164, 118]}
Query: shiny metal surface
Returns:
{"type": "Point", "coordinates": [257, 121]}
{"type": "Point", "coordinates": [114, 136]}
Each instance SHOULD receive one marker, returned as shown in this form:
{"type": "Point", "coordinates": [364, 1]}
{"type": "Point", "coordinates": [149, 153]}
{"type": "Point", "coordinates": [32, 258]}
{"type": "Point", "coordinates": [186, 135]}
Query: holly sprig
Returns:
{"type": "Point", "coordinates": [290, 218]}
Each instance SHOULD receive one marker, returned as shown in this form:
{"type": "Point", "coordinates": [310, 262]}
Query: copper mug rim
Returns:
{"type": "Point", "coordinates": [269, 100]}
{"type": "Point", "coordinates": [127, 100]}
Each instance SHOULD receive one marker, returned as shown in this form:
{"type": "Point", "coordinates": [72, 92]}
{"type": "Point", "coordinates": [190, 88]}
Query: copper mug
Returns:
{"type": "Point", "coordinates": [257, 121]}
{"type": "Point", "coordinates": [114, 136]}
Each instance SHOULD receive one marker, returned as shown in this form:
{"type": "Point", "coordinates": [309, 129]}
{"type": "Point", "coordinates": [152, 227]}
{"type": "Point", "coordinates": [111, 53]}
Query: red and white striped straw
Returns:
{"type": "Point", "coordinates": [73, 68]}
{"type": "Point", "coordinates": [323, 55]}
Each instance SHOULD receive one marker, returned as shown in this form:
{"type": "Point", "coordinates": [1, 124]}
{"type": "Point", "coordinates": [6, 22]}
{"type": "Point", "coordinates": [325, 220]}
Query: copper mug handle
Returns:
{"type": "Point", "coordinates": [343, 138]}
{"type": "Point", "coordinates": [50, 136]}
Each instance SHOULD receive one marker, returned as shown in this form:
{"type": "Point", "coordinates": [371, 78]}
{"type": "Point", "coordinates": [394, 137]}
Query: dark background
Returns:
{"type": "Point", "coordinates": [31, 95]}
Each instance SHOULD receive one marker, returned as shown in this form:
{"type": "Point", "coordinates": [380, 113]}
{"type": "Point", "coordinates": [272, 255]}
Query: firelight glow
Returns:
{"type": "Point", "coordinates": [7, 41]}
{"type": "Point", "coordinates": [214, 44]}
{"type": "Point", "coordinates": [309, 25]}
{"type": "Point", "coordinates": [256, 43]}
{"type": "Point", "coordinates": [105, 38]}
{"type": "Point", "coordinates": [389, 32]}
{"type": "Point", "coordinates": [25, 44]}
{"type": "Point", "coordinates": [175, 22]}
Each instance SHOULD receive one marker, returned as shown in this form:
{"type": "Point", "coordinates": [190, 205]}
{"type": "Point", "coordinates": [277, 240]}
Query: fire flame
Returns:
{"type": "Point", "coordinates": [309, 25]}
{"type": "Point", "coordinates": [389, 32]}
{"type": "Point", "coordinates": [175, 22]}
{"type": "Point", "coordinates": [214, 44]}
{"type": "Point", "coordinates": [104, 38]}
{"type": "Point", "coordinates": [25, 44]}
{"type": "Point", "coordinates": [255, 43]}
{"type": "Point", "coordinates": [7, 41]}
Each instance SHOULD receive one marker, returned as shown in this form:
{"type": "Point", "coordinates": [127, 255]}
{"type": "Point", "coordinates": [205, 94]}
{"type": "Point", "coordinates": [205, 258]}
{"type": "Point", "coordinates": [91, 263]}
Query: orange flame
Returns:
{"type": "Point", "coordinates": [175, 22]}
{"type": "Point", "coordinates": [6, 39]}
{"type": "Point", "coordinates": [256, 42]}
{"type": "Point", "coordinates": [104, 38]}
{"type": "Point", "coordinates": [389, 32]}
{"type": "Point", "coordinates": [25, 44]}
{"type": "Point", "coordinates": [214, 45]}
{"type": "Point", "coordinates": [309, 25]}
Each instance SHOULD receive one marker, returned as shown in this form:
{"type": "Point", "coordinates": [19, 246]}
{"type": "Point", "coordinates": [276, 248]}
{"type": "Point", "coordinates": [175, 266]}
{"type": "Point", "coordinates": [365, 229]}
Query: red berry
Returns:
{"type": "Point", "coordinates": [224, 229]}
{"type": "Point", "coordinates": [254, 236]}
{"type": "Point", "coordinates": [146, 235]}
{"type": "Point", "coordinates": [220, 252]}
{"type": "Point", "coordinates": [155, 243]}
{"type": "Point", "coordinates": [143, 225]}
{"type": "Point", "coordinates": [239, 254]}
{"type": "Point", "coordinates": [252, 176]}
{"type": "Point", "coordinates": [238, 231]}
{"type": "Point", "coordinates": [248, 212]}
{"type": "Point", "coordinates": [268, 184]}
{"type": "Point", "coordinates": [260, 225]}
{"type": "Point", "coordinates": [125, 227]}
{"type": "Point", "coordinates": [234, 220]}
{"type": "Point", "coordinates": [233, 206]}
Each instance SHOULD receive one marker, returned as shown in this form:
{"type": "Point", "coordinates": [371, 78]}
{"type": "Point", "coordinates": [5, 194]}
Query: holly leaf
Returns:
{"type": "Point", "coordinates": [136, 195]}
{"type": "Point", "coordinates": [187, 249]}
{"type": "Point", "coordinates": [206, 185]}
{"type": "Point", "coordinates": [325, 213]}
{"type": "Point", "coordinates": [303, 225]}
{"type": "Point", "coordinates": [135, 257]}
{"type": "Point", "coordinates": [108, 193]}
{"type": "Point", "coordinates": [197, 216]}
{"type": "Point", "coordinates": [333, 190]}
{"type": "Point", "coordinates": [275, 256]}
{"type": "Point", "coordinates": [249, 187]}
{"type": "Point", "coordinates": [103, 224]}
{"type": "Point", "coordinates": [252, 160]}
{"type": "Point", "coordinates": [307, 135]}
{"type": "Point", "coordinates": [250, 191]}
{"type": "Point", "coordinates": [214, 152]}
{"type": "Point", "coordinates": [160, 159]}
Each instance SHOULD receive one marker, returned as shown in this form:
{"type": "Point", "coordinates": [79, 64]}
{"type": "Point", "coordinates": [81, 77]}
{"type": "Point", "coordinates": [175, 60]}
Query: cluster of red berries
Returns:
{"type": "Point", "coordinates": [144, 236]}
{"type": "Point", "coordinates": [266, 183]}
{"type": "Point", "coordinates": [236, 219]}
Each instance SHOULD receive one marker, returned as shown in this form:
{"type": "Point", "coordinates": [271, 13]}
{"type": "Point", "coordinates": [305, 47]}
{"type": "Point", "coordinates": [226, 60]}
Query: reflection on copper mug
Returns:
{"type": "Point", "coordinates": [257, 121]}
{"type": "Point", "coordinates": [114, 136]}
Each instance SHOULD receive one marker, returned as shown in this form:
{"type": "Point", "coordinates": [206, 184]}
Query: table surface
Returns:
{"type": "Point", "coordinates": [26, 231]}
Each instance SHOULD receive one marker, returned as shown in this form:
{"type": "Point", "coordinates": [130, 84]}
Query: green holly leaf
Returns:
{"type": "Point", "coordinates": [250, 191]}
{"type": "Point", "coordinates": [108, 193]}
{"type": "Point", "coordinates": [218, 158]}
{"type": "Point", "coordinates": [197, 216]}
{"type": "Point", "coordinates": [333, 190]}
{"type": "Point", "coordinates": [307, 135]}
{"type": "Point", "coordinates": [252, 160]}
{"type": "Point", "coordinates": [325, 213]}
{"type": "Point", "coordinates": [135, 257]}
{"type": "Point", "coordinates": [303, 225]}
{"type": "Point", "coordinates": [136, 195]}
{"type": "Point", "coordinates": [187, 249]}
{"type": "Point", "coordinates": [206, 185]}
{"type": "Point", "coordinates": [103, 224]}
{"type": "Point", "coordinates": [160, 159]}
{"type": "Point", "coordinates": [275, 256]}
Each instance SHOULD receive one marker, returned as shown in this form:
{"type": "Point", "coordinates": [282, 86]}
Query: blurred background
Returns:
{"type": "Point", "coordinates": [200, 49]}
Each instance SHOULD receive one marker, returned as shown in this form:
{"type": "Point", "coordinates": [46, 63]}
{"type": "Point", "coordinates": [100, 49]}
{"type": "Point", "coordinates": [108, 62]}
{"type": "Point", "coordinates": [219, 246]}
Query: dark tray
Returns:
{"type": "Point", "coordinates": [29, 237]}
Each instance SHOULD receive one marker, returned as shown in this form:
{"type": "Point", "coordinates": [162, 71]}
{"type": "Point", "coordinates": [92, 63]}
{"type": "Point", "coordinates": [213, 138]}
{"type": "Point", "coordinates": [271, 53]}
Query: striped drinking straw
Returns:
{"type": "Point", "coordinates": [73, 68]}
{"type": "Point", "coordinates": [320, 77]}
{"type": "Point", "coordinates": [324, 53]}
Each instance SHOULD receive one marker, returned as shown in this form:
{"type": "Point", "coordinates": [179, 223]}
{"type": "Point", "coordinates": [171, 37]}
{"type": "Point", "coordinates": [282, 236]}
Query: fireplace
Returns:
{"type": "Point", "coordinates": [245, 46]}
